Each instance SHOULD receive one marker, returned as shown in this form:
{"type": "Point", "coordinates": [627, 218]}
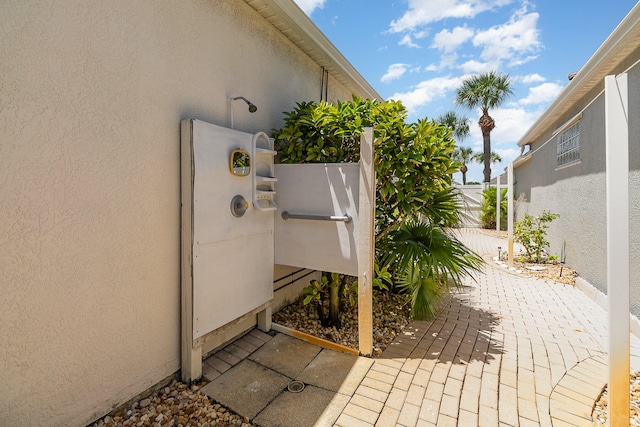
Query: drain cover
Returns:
{"type": "Point", "coordinates": [296, 386]}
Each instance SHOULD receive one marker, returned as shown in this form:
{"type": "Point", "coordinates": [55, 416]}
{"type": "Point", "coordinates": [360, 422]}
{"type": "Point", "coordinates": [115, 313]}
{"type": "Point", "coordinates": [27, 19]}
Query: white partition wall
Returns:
{"type": "Point", "coordinates": [227, 259]}
{"type": "Point", "coordinates": [322, 190]}
{"type": "Point", "coordinates": [228, 254]}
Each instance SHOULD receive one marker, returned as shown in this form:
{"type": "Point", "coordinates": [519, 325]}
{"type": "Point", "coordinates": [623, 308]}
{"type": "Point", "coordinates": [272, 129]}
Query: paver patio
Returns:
{"type": "Point", "coordinates": [507, 350]}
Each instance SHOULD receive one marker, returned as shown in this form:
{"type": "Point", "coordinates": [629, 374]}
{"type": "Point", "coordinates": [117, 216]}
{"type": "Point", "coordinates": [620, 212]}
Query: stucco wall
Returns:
{"type": "Point", "coordinates": [578, 192]}
{"type": "Point", "coordinates": [92, 98]}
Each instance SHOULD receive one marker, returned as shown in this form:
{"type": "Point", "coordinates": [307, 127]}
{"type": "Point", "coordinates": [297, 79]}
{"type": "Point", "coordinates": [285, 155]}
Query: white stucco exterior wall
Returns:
{"type": "Point", "coordinates": [578, 192]}
{"type": "Point", "coordinates": [92, 95]}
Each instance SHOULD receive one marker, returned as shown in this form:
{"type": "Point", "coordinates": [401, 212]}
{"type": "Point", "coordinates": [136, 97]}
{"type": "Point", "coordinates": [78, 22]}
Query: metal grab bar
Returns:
{"type": "Point", "coordinates": [346, 218]}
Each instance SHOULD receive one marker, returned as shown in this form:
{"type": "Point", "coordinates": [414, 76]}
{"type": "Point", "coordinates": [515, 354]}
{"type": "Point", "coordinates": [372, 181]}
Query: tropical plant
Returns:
{"type": "Point", "coordinates": [463, 155]}
{"type": "Point", "coordinates": [328, 288]}
{"type": "Point", "coordinates": [531, 232]}
{"type": "Point", "coordinates": [493, 157]}
{"type": "Point", "coordinates": [485, 91]}
{"type": "Point", "coordinates": [458, 125]}
{"type": "Point", "coordinates": [488, 208]}
{"type": "Point", "coordinates": [413, 163]}
{"type": "Point", "coordinates": [413, 160]}
{"type": "Point", "coordinates": [427, 260]}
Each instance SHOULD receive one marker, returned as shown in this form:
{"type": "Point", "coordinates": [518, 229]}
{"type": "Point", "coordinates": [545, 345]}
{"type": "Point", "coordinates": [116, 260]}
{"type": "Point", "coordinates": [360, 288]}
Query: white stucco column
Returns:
{"type": "Point", "coordinates": [617, 175]}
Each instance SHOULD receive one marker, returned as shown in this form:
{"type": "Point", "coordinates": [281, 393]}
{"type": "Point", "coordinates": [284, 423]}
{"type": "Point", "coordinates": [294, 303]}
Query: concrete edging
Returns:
{"type": "Point", "coordinates": [601, 299]}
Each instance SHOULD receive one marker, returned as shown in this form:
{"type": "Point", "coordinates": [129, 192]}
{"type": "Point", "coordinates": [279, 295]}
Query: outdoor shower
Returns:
{"type": "Point", "coordinates": [252, 107]}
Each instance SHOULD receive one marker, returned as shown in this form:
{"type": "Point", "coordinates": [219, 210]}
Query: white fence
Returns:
{"type": "Point", "coordinates": [471, 203]}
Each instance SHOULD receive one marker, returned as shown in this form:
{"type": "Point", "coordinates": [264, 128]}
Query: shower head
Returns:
{"type": "Point", "coordinates": [252, 107]}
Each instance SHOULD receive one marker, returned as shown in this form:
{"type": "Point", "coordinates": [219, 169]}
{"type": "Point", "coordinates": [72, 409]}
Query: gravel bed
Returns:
{"type": "Point", "coordinates": [600, 409]}
{"type": "Point", "coordinates": [176, 405]}
{"type": "Point", "coordinates": [390, 315]}
{"type": "Point", "coordinates": [555, 272]}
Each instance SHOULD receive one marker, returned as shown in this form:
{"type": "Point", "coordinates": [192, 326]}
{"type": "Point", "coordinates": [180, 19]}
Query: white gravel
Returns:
{"type": "Point", "coordinates": [600, 409]}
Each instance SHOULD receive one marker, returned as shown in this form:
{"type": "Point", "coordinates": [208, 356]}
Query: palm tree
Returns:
{"type": "Point", "coordinates": [479, 157]}
{"type": "Point", "coordinates": [463, 155]}
{"type": "Point", "coordinates": [460, 128]}
{"type": "Point", "coordinates": [485, 91]}
{"type": "Point", "coordinates": [459, 125]}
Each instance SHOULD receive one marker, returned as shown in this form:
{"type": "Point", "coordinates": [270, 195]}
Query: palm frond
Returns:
{"type": "Point", "coordinates": [423, 291]}
{"type": "Point", "coordinates": [439, 254]}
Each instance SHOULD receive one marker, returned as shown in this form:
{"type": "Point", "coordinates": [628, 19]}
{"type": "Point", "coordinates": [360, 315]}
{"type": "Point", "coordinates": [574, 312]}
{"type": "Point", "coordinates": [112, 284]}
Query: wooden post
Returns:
{"type": "Point", "coordinates": [366, 242]}
{"type": "Point", "coordinates": [617, 175]}
{"type": "Point", "coordinates": [190, 357]}
{"type": "Point", "coordinates": [510, 213]}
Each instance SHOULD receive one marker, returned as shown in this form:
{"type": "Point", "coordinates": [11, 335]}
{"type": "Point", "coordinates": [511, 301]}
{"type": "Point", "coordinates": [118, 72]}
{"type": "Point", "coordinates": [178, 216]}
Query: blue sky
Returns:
{"type": "Point", "coordinates": [418, 51]}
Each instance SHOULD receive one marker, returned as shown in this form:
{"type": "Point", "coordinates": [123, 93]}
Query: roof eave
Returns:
{"type": "Point", "coordinates": [297, 27]}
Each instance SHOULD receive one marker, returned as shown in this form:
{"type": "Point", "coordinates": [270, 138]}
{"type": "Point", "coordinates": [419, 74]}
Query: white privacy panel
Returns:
{"type": "Point", "coordinates": [232, 257]}
{"type": "Point", "coordinates": [317, 190]}
{"type": "Point", "coordinates": [240, 279]}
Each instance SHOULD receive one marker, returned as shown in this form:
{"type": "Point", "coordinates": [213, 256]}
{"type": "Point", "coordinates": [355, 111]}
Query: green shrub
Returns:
{"type": "Point", "coordinates": [413, 164]}
{"type": "Point", "coordinates": [531, 233]}
{"type": "Point", "coordinates": [488, 208]}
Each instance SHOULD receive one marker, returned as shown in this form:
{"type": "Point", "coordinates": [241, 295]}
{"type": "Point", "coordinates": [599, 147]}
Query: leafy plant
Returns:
{"type": "Point", "coordinates": [488, 208]}
{"type": "Point", "coordinates": [531, 232]}
{"type": "Point", "coordinates": [413, 161]}
{"type": "Point", "coordinates": [382, 278]}
{"type": "Point", "coordinates": [326, 289]}
{"type": "Point", "coordinates": [413, 164]}
{"type": "Point", "coordinates": [428, 260]}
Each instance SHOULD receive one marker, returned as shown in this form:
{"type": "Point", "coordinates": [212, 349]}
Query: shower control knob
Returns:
{"type": "Point", "coordinates": [239, 206]}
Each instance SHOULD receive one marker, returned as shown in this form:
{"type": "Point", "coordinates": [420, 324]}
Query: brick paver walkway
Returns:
{"type": "Point", "coordinates": [507, 350]}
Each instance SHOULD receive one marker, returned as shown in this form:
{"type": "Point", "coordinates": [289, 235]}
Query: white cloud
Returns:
{"type": "Point", "coordinates": [513, 42]}
{"type": "Point", "coordinates": [448, 41]}
{"type": "Point", "coordinates": [532, 78]}
{"type": "Point", "coordinates": [507, 155]}
{"type": "Point", "coordinates": [395, 71]}
{"type": "Point", "coordinates": [426, 91]}
{"type": "Point", "coordinates": [543, 93]}
{"type": "Point", "coordinates": [424, 12]}
{"type": "Point", "coordinates": [308, 6]}
{"type": "Point", "coordinates": [475, 67]}
{"type": "Point", "coordinates": [407, 41]}
{"type": "Point", "coordinates": [511, 124]}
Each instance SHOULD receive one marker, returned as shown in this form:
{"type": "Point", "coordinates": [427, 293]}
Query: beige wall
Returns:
{"type": "Point", "coordinates": [90, 109]}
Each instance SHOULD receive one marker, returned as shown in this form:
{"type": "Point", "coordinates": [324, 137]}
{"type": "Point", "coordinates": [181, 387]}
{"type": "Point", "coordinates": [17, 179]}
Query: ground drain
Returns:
{"type": "Point", "coordinates": [296, 386]}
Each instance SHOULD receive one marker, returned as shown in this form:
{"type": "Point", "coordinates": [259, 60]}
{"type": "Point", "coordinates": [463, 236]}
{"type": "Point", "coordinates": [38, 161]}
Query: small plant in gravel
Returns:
{"type": "Point", "coordinates": [531, 233]}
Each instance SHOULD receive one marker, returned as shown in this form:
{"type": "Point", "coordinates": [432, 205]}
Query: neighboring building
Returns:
{"type": "Point", "coordinates": [92, 96]}
{"type": "Point", "coordinates": [563, 170]}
